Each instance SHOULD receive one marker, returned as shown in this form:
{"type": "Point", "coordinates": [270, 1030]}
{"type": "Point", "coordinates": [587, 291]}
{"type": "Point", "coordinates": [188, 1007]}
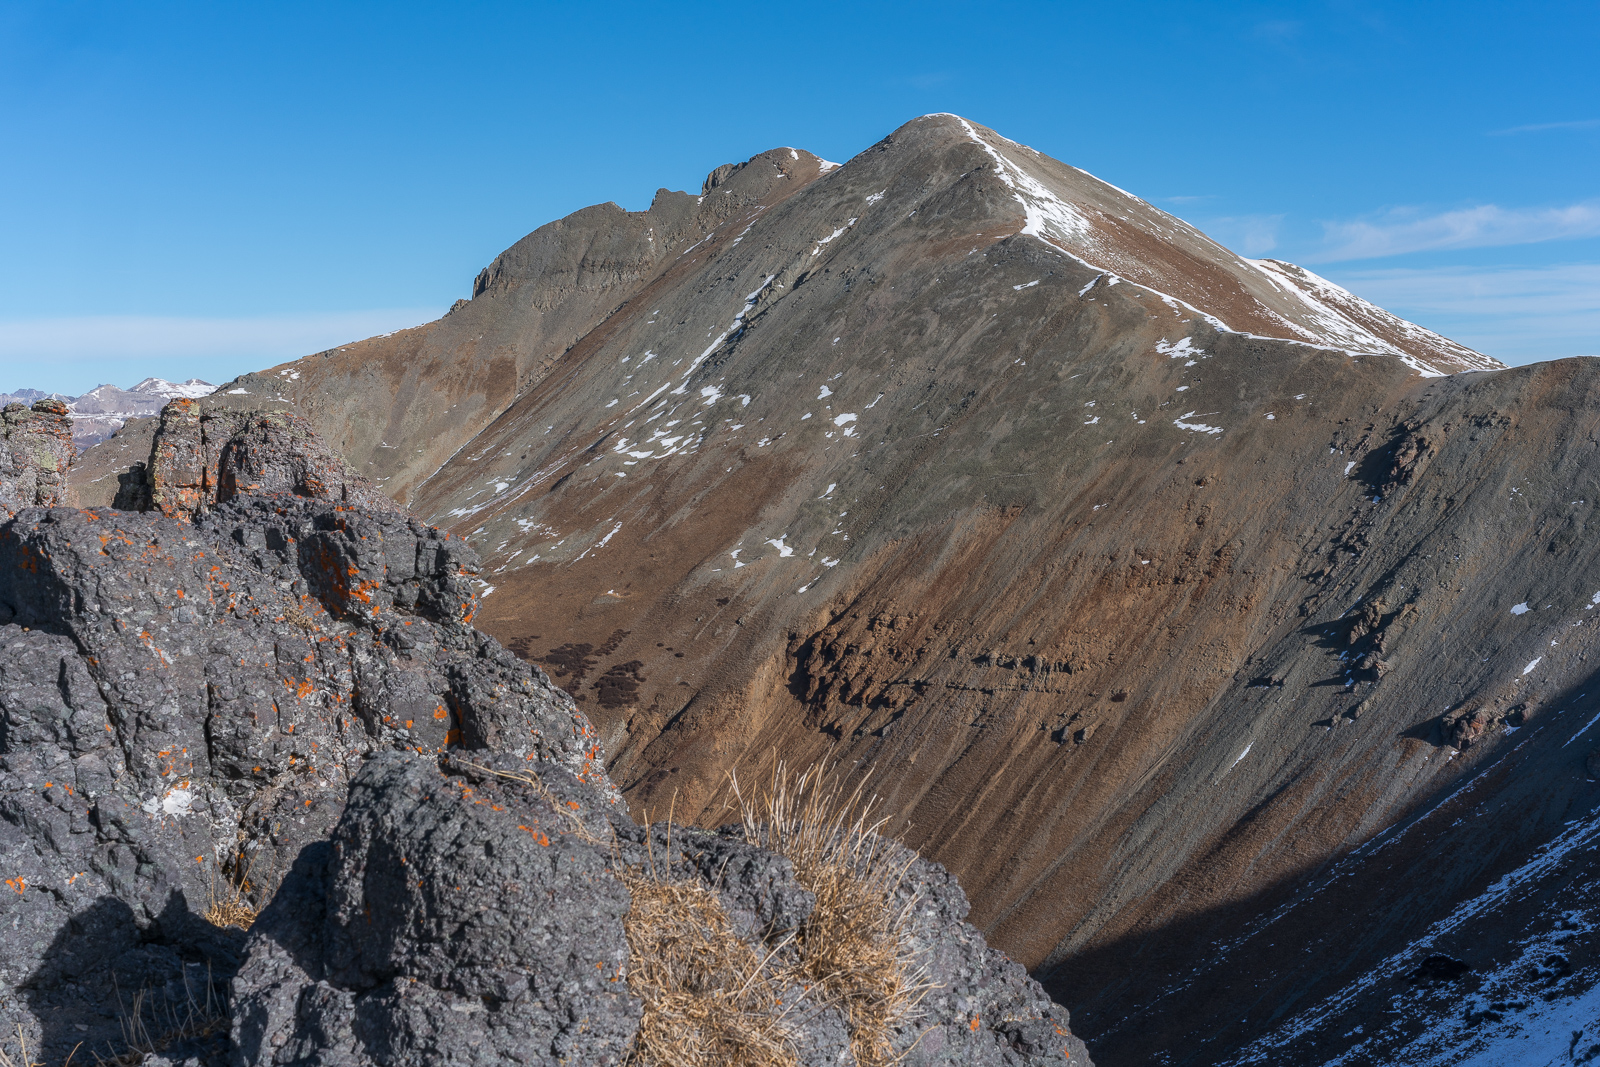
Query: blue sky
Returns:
{"type": "Point", "coordinates": [204, 189]}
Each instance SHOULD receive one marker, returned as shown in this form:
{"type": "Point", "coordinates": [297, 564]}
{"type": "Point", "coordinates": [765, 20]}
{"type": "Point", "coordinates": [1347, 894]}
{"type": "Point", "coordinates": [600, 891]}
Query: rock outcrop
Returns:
{"type": "Point", "coordinates": [470, 912]}
{"type": "Point", "coordinates": [201, 458]}
{"type": "Point", "coordinates": [36, 451]}
{"type": "Point", "coordinates": [182, 706]}
{"type": "Point", "coordinates": [267, 698]}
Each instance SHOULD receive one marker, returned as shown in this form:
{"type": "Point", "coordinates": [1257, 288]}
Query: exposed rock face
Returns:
{"type": "Point", "coordinates": [384, 947]}
{"type": "Point", "coordinates": [1147, 581]}
{"type": "Point", "coordinates": [36, 450]}
{"type": "Point", "coordinates": [438, 929]}
{"type": "Point", "coordinates": [183, 705]}
{"type": "Point", "coordinates": [199, 459]}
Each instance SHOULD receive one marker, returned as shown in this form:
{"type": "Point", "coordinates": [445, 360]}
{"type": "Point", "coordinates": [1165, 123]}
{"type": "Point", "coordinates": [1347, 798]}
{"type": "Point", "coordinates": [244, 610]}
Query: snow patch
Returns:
{"type": "Point", "coordinates": [1198, 427]}
{"type": "Point", "coordinates": [1182, 349]}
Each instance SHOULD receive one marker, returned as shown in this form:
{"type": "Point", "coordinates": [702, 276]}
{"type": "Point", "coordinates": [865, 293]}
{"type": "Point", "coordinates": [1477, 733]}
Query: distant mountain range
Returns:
{"type": "Point", "coordinates": [101, 411]}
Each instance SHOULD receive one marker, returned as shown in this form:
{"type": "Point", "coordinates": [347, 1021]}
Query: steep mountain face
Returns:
{"type": "Point", "coordinates": [399, 406]}
{"type": "Point", "coordinates": [1156, 590]}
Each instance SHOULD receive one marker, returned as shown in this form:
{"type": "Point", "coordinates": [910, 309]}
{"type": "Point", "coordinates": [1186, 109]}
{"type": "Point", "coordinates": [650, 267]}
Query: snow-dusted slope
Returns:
{"type": "Point", "coordinates": [1114, 231]}
{"type": "Point", "coordinates": [1508, 977]}
{"type": "Point", "coordinates": [193, 388]}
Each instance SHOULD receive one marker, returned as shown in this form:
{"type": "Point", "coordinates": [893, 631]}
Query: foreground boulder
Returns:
{"type": "Point", "coordinates": [470, 912]}
{"type": "Point", "coordinates": [183, 700]}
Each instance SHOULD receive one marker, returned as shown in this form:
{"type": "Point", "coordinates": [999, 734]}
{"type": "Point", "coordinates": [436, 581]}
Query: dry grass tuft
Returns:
{"type": "Point", "coordinates": [149, 1028]}
{"type": "Point", "coordinates": [854, 947]}
{"type": "Point", "coordinates": [709, 997]}
{"type": "Point", "coordinates": [236, 911]}
{"type": "Point", "coordinates": [232, 907]}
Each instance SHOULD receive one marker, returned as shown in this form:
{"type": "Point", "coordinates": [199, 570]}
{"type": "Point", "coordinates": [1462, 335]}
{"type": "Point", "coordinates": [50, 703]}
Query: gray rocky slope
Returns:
{"type": "Point", "coordinates": [267, 685]}
{"type": "Point", "coordinates": [1224, 634]}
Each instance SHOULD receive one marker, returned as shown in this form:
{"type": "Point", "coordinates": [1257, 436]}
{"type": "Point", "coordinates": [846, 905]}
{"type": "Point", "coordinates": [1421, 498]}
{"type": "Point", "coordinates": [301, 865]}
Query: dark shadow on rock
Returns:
{"type": "Point", "coordinates": [133, 491]}
{"type": "Point", "coordinates": [106, 977]}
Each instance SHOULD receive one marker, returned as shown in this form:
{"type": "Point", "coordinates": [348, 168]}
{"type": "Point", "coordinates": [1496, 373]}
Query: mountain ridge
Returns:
{"type": "Point", "coordinates": [1135, 616]}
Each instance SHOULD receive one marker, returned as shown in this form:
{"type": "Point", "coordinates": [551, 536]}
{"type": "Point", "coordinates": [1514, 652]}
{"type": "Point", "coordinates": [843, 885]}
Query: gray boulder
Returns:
{"type": "Point", "coordinates": [182, 706]}
{"type": "Point", "coordinates": [474, 910]}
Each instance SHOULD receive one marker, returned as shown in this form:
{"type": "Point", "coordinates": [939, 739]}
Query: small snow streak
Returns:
{"type": "Point", "coordinates": [1198, 427]}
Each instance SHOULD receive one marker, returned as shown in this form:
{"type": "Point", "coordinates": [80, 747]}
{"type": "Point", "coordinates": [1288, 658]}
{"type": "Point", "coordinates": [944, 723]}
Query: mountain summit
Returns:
{"type": "Point", "coordinates": [1184, 605]}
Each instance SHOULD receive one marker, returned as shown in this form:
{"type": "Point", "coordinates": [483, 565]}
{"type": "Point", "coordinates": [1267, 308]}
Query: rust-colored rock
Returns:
{"type": "Point", "coordinates": [36, 451]}
{"type": "Point", "coordinates": [201, 458]}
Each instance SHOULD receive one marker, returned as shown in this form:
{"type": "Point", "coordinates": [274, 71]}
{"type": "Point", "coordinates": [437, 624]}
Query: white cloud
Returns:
{"type": "Point", "coordinates": [1407, 230]}
{"type": "Point", "coordinates": [1250, 235]}
{"type": "Point", "coordinates": [139, 337]}
{"type": "Point", "coordinates": [1540, 127]}
{"type": "Point", "coordinates": [1517, 314]}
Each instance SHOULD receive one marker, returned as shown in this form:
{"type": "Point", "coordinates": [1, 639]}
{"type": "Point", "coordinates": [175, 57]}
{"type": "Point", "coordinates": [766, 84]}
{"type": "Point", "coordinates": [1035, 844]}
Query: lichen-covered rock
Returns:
{"type": "Point", "coordinates": [182, 705]}
{"type": "Point", "coordinates": [472, 910]}
{"type": "Point", "coordinates": [982, 1007]}
{"type": "Point", "coordinates": [454, 919]}
{"type": "Point", "coordinates": [35, 451]}
{"type": "Point", "coordinates": [201, 458]}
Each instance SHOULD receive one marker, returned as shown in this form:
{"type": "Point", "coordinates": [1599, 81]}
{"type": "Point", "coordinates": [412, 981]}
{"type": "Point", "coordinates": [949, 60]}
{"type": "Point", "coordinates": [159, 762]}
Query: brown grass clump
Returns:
{"type": "Point", "coordinates": [854, 947]}
{"type": "Point", "coordinates": [236, 911]}
{"type": "Point", "coordinates": [709, 998]}
{"type": "Point", "coordinates": [231, 907]}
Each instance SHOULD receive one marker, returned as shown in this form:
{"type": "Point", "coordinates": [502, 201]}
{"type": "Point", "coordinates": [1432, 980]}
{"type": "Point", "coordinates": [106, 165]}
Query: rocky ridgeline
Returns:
{"type": "Point", "coordinates": [261, 688]}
